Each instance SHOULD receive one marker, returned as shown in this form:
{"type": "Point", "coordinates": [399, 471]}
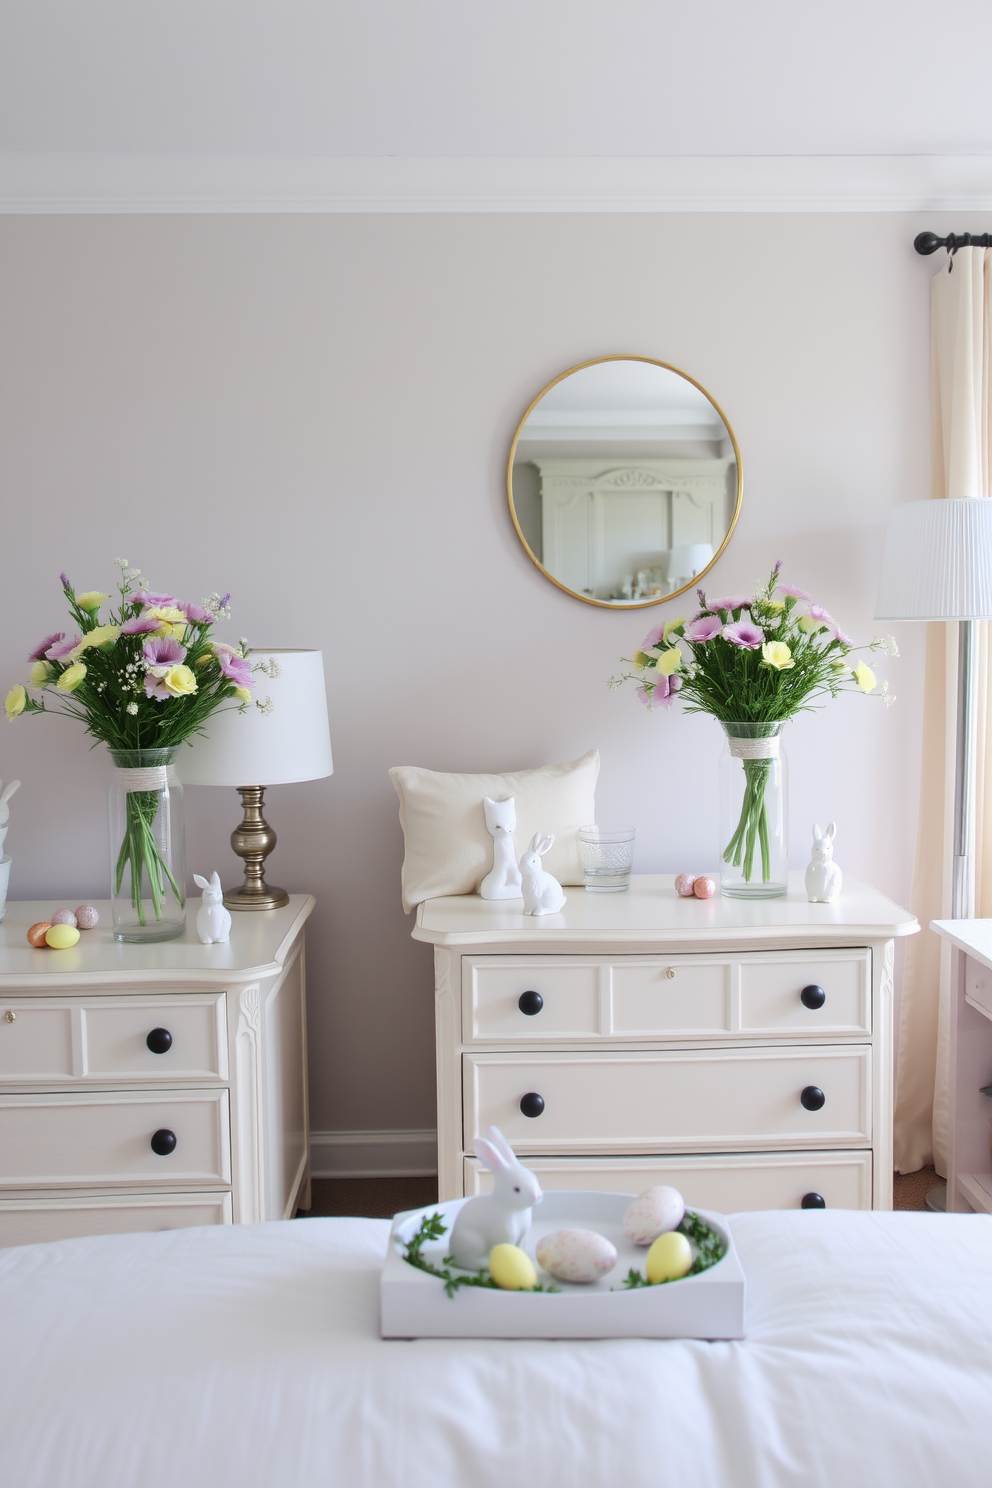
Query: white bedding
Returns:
{"type": "Point", "coordinates": [249, 1357]}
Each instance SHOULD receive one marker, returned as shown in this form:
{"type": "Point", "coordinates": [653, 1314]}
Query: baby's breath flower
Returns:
{"type": "Point", "coordinates": [132, 708]}
{"type": "Point", "coordinates": [268, 706]}
{"type": "Point", "coordinates": [886, 644]}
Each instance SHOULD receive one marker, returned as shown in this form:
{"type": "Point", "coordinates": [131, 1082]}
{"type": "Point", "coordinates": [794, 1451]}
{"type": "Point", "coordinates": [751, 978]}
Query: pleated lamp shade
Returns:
{"type": "Point", "coordinates": [937, 561]}
{"type": "Point", "coordinates": [292, 742]}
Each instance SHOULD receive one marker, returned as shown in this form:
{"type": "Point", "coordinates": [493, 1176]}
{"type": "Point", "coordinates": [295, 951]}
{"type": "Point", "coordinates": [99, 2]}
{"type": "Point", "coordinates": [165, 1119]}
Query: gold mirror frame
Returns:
{"type": "Point", "coordinates": [605, 604]}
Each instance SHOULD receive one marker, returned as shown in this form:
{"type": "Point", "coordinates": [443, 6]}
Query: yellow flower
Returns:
{"type": "Point", "coordinates": [41, 673]}
{"type": "Point", "coordinates": [244, 693]}
{"type": "Point", "coordinates": [839, 666]}
{"type": "Point", "coordinates": [641, 659]}
{"type": "Point", "coordinates": [671, 625]}
{"type": "Point", "coordinates": [777, 654]}
{"type": "Point", "coordinates": [864, 677]}
{"type": "Point", "coordinates": [179, 680]}
{"type": "Point", "coordinates": [103, 635]}
{"type": "Point", "coordinates": [808, 625]}
{"type": "Point", "coordinates": [71, 677]}
{"type": "Point", "coordinates": [91, 601]}
{"type": "Point", "coordinates": [773, 604]}
{"type": "Point", "coordinates": [15, 701]}
{"type": "Point", "coordinates": [172, 621]}
{"type": "Point", "coordinates": [669, 661]}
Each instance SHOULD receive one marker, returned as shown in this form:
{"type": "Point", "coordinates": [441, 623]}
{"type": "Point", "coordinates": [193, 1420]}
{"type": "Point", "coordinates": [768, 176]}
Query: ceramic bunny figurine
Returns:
{"type": "Point", "coordinates": [498, 1218]}
{"type": "Point", "coordinates": [5, 795]}
{"type": "Point", "coordinates": [824, 879]}
{"type": "Point", "coordinates": [542, 893]}
{"type": "Point", "coordinates": [503, 880]}
{"type": "Point", "coordinates": [213, 921]}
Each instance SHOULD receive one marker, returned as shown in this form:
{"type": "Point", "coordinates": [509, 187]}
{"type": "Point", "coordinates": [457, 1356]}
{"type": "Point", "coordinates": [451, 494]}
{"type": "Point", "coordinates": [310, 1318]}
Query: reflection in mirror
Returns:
{"type": "Point", "coordinates": [624, 481]}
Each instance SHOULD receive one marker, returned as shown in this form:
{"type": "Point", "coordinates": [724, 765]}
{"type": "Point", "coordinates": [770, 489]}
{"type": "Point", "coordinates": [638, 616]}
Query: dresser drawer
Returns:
{"type": "Point", "coordinates": [99, 1138]}
{"type": "Point", "coordinates": [667, 1101]}
{"type": "Point", "coordinates": [27, 1221]}
{"type": "Point", "coordinates": [105, 1039]}
{"type": "Point", "coordinates": [726, 1183]}
{"type": "Point", "coordinates": [559, 999]}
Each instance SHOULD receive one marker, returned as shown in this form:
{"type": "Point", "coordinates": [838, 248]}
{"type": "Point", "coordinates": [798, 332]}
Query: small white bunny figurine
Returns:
{"type": "Point", "coordinates": [498, 1218]}
{"type": "Point", "coordinates": [503, 881]}
{"type": "Point", "coordinates": [543, 894]}
{"type": "Point", "coordinates": [824, 879]}
{"type": "Point", "coordinates": [213, 921]}
{"type": "Point", "coordinates": [5, 795]}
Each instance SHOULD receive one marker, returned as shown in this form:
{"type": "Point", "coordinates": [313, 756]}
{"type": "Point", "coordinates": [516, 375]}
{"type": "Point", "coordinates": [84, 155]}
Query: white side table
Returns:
{"type": "Point", "coordinates": [969, 1162]}
{"type": "Point", "coordinates": [150, 1087]}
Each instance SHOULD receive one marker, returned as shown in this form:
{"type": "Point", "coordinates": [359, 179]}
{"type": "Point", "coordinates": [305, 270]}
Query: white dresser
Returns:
{"type": "Point", "coordinates": [969, 1085]}
{"type": "Point", "coordinates": [741, 1051]}
{"type": "Point", "coordinates": [150, 1087]}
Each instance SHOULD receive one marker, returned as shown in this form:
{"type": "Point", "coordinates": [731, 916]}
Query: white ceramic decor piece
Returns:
{"type": "Point", "coordinates": [498, 1218]}
{"type": "Point", "coordinates": [213, 921]}
{"type": "Point", "coordinates": [503, 879]}
{"type": "Point", "coordinates": [824, 879]}
{"type": "Point", "coordinates": [543, 894]}
{"type": "Point", "coordinates": [5, 794]}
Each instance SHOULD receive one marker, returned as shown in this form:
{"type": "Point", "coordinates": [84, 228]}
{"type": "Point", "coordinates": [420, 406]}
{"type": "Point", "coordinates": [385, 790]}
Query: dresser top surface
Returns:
{"type": "Point", "coordinates": [972, 936]}
{"type": "Point", "coordinates": [650, 912]}
{"type": "Point", "coordinates": [259, 944]}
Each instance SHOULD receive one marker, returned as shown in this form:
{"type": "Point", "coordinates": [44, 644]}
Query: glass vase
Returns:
{"type": "Point", "coordinates": [147, 846]}
{"type": "Point", "coordinates": [754, 828]}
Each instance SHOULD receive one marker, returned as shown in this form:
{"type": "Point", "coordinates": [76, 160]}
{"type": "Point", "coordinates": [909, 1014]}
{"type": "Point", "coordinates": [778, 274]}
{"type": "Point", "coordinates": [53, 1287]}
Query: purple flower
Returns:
{"type": "Point", "coordinates": [55, 653]}
{"type": "Point", "coordinates": [744, 634]}
{"type": "Point", "coordinates": [236, 668]}
{"type": "Point", "coordinates": [42, 650]}
{"type": "Point", "coordinates": [163, 651]}
{"type": "Point", "coordinates": [654, 637]}
{"type": "Point", "coordinates": [145, 597]}
{"type": "Point", "coordinates": [140, 625]}
{"type": "Point", "coordinates": [733, 603]}
{"type": "Point", "coordinates": [702, 599]}
{"type": "Point", "coordinates": [792, 591]}
{"type": "Point", "coordinates": [777, 569]}
{"type": "Point", "coordinates": [64, 578]}
{"type": "Point", "coordinates": [704, 629]}
{"type": "Point", "coordinates": [155, 689]}
{"type": "Point", "coordinates": [817, 612]}
{"type": "Point", "coordinates": [665, 689]}
{"type": "Point", "coordinates": [839, 635]}
{"type": "Point", "coordinates": [195, 614]}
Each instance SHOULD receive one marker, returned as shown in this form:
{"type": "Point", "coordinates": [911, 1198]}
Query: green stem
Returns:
{"type": "Point", "coordinates": [140, 853]}
{"type": "Point", "coordinates": [752, 828]}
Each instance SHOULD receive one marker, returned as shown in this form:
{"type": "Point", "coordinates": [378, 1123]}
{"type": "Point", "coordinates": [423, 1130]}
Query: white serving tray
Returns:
{"type": "Point", "coordinates": [414, 1304]}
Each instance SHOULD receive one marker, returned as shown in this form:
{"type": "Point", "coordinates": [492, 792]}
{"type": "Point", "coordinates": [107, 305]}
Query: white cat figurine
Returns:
{"type": "Point", "coordinates": [543, 894]}
{"type": "Point", "coordinates": [503, 880]}
{"type": "Point", "coordinates": [824, 879]}
{"type": "Point", "coordinates": [213, 921]}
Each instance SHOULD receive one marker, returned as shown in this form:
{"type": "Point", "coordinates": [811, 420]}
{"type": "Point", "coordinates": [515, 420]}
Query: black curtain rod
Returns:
{"type": "Point", "coordinates": [928, 242]}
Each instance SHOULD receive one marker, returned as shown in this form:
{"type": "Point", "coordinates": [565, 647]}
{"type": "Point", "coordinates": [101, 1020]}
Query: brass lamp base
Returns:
{"type": "Point", "coordinates": [253, 839]}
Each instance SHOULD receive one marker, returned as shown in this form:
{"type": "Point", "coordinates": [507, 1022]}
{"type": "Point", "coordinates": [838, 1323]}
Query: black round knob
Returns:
{"type": "Point", "coordinates": [927, 242]}
{"type": "Point", "coordinates": [813, 1201]}
{"type": "Point", "coordinates": [813, 1098]}
{"type": "Point", "coordinates": [813, 997]}
{"type": "Point", "coordinates": [159, 1041]}
{"type": "Point", "coordinates": [532, 1104]}
{"type": "Point", "coordinates": [530, 1003]}
{"type": "Point", "coordinates": [163, 1142]}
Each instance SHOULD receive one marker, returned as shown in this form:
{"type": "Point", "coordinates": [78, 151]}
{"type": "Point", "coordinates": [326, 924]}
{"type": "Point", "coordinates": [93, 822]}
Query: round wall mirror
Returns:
{"type": "Point", "coordinates": [624, 481]}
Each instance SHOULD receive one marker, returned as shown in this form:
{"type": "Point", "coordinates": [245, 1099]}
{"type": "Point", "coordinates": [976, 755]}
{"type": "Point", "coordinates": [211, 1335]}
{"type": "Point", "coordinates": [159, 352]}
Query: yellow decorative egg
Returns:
{"type": "Point", "coordinates": [512, 1268]}
{"type": "Point", "coordinates": [61, 937]}
{"type": "Point", "coordinates": [669, 1257]}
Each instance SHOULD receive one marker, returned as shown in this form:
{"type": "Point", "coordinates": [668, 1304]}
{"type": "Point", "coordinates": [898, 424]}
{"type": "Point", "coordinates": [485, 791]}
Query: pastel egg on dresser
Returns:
{"type": "Point", "coordinates": [653, 1213]}
{"type": "Point", "coordinates": [576, 1255]}
{"type": "Point", "coordinates": [64, 917]}
{"type": "Point", "coordinates": [87, 918]}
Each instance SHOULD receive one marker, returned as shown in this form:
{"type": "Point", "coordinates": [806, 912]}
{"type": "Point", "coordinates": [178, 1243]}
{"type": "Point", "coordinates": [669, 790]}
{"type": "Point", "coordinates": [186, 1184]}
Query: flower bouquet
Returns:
{"type": "Point", "coordinates": [752, 664]}
{"type": "Point", "coordinates": [142, 682]}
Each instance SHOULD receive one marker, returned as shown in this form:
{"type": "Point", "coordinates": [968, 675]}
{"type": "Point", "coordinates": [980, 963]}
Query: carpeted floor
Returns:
{"type": "Point", "coordinates": [381, 1198]}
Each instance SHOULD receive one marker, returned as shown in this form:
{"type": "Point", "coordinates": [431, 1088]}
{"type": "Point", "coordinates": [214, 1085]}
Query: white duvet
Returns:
{"type": "Point", "coordinates": [249, 1357]}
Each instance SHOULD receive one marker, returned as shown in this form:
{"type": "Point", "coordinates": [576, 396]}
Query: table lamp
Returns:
{"type": "Point", "coordinates": [937, 565]}
{"type": "Point", "coordinates": [287, 741]}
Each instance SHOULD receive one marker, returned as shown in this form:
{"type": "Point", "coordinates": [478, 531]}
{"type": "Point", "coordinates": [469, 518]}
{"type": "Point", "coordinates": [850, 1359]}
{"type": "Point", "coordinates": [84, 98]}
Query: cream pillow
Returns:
{"type": "Point", "coordinates": [449, 850]}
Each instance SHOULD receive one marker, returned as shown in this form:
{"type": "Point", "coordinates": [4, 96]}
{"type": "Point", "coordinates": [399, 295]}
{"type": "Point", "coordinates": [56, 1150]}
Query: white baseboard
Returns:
{"type": "Point", "coordinates": [373, 1154]}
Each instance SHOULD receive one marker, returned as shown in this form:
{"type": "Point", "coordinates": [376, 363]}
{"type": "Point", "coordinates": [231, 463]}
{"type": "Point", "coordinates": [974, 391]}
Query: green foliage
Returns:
{"type": "Point", "coordinates": [433, 1228]}
{"type": "Point", "coordinates": [710, 1248]}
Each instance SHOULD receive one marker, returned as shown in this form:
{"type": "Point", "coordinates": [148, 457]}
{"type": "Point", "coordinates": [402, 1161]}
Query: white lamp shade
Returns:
{"type": "Point", "coordinates": [937, 561]}
{"type": "Point", "coordinates": [292, 742]}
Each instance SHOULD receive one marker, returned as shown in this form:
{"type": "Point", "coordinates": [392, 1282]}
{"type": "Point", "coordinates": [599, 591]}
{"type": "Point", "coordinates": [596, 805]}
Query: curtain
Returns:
{"type": "Point", "coordinates": [960, 389]}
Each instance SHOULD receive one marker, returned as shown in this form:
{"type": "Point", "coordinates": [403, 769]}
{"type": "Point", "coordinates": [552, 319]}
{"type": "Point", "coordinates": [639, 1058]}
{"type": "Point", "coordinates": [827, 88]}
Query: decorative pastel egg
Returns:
{"type": "Point", "coordinates": [87, 918]}
{"type": "Point", "coordinates": [61, 937]}
{"type": "Point", "coordinates": [704, 888]}
{"type": "Point", "coordinates": [653, 1213]}
{"type": "Point", "coordinates": [669, 1258]}
{"type": "Point", "coordinates": [576, 1255]}
{"type": "Point", "coordinates": [37, 933]}
{"type": "Point", "coordinates": [683, 885]}
{"type": "Point", "coordinates": [512, 1268]}
{"type": "Point", "coordinates": [63, 917]}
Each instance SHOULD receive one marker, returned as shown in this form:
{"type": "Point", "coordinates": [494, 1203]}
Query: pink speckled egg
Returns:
{"type": "Point", "coordinates": [576, 1255]}
{"type": "Point", "coordinates": [704, 888]}
{"type": "Point", "coordinates": [64, 917]}
{"type": "Point", "coordinates": [653, 1213]}
{"type": "Point", "coordinates": [87, 918]}
{"type": "Point", "coordinates": [683, 885]}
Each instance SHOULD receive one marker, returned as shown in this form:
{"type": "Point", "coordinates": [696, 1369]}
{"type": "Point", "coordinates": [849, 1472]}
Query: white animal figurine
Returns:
{"type": "Point", "coordinates": [543, 894]}
{"type": "Point", "coordinates": [5, 795]}
{"type": "Point", "coordinates": [824, 879]}
{"type": "Point", "coordinates": [213, 921]}
{"type": "Point", "coordinates": [503, 881]}
{"type": "Point", "coordinates": [498, 1218]}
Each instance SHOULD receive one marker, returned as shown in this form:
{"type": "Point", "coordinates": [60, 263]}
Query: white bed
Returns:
{"type": "Point", "coordinates": [249, 1357]}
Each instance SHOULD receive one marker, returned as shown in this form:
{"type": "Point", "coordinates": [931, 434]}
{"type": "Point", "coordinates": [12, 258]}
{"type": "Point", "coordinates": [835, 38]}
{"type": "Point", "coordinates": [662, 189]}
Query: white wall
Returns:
{"type": "Point", "coordinates": [258, 403]}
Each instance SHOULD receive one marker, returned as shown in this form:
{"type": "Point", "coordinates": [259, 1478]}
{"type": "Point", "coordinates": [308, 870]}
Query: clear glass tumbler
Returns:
{"type": "Point", "coordinates": [607, 858]}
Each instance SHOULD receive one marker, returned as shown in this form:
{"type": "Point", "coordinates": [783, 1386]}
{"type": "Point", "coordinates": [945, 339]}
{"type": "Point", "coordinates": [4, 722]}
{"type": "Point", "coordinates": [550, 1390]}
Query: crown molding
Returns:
{"type": "Point", "coordinates": [93, 183]}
